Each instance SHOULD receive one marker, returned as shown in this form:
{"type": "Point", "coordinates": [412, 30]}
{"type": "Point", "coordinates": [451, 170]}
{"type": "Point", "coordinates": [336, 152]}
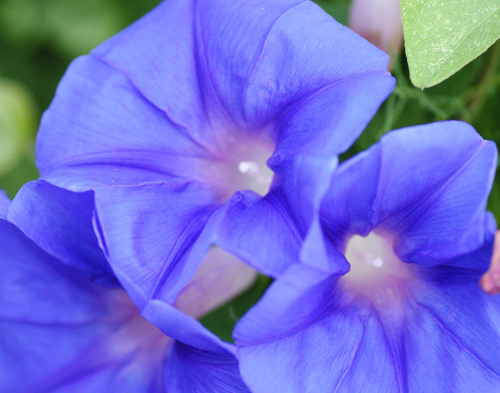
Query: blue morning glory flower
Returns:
{"type": "Point", "coordinates": [206, 122]}
{"type": "Point", "coordinates": [397, 306]}
{"type": "Point", "coordinates": [61, 332]}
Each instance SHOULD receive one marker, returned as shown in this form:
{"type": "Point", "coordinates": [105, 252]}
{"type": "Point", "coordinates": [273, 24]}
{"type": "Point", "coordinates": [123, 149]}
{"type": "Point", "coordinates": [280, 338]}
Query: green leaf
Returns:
{"type": "Point", "coordinates": [441, 36]}
{"type": "Point", "coordinates": [221, 321]}
{"type": "Point", "coordinates": [17, 123]}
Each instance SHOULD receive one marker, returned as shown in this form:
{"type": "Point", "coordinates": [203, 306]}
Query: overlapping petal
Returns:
{"type": "Point", "coordinates": [433, 200]}
{"type": "Point", "coordinates": [419, 326]}
{"type": "Point", "coordinates": [59, 330]}
{"type": "Point", "coordinates": [100, 130]}
{"type": "Point", "coordinates": [64, 333]}
{"type": "Point", "coordinates": [193, 370]}
{"type": "Point", "coordinates": [310, 334]}
{"type": "Point", "coordinates": [148, 229]}
{"type": "Point", "coordinates": [238, 227]}
{"type": "Point", "coordinates": [169, 102]}
{"type": "Point", "coordinates": [40, 210]}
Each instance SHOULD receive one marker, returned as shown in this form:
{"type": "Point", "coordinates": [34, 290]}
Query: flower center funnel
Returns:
{"type": "Point", "coordinates": [373, 263]}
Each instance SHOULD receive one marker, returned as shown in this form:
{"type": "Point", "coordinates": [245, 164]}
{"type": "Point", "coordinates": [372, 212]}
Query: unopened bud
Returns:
{"type": "Point", "coordinates": [379, 22]}
{"type": "Point", "coordinates": [491, 279]}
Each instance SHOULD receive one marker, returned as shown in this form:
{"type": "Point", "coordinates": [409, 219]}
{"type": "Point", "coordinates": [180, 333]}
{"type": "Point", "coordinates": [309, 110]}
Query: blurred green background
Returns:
{"type": "Point", "coordinates": [39, 38]}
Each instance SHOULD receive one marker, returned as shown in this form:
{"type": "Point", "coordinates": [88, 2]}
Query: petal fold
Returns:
{"type": "Point", "coordinates": [306, 336]}
{"type": "Point", "coordinates": [433, 201]}
{"type": "Point", "coordinates": [146, 231]}
{"type": "Point", "coordinates": [61, 332]}
{"type": "Point", "coordinates": [100, 130]}
{"type": "Point", "coordinates": [192, 370]}
{"type": "Point", "coordinates": [258, 230]}
{"type": "Point", "coordinates": [312, 333]}
{"type": "Point", "coordinates": [158, 55]}
{"type": "Point", "coordinates": [60, 222]}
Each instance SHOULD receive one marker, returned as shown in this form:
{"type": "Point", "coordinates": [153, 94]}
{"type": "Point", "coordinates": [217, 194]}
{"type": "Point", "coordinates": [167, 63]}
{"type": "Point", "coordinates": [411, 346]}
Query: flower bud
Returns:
{"type": "Point", "coordinates": [491, 279]}
{"type": "Point", "coordinates": [379, 22]}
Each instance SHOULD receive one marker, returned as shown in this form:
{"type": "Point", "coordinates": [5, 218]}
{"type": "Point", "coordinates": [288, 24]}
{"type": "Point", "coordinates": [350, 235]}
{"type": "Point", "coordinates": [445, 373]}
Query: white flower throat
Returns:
{"type": "Point", "coordinates": [244, 166]}
{"type": "Point", "coordinates": [259, 175]}
{"type": "Point", "coordinates": [373, 263]}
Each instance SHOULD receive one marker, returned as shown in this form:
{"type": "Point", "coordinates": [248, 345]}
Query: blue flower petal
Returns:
{"type": "Point", "coordinates": [257, 230]}
{"type": "Point", "coordinates": [100, 130]}
{"type": "Point", "coordinates": [459, 331]}
{"type": "Point", "coordinates": [432, 201]}
{"type": "Point", "coordinates": [199, 361]}
{"type": "Point", "coordinates": [247, 59]}
{"type": "Point", "coordinates": [40, 210]}
{"type": "Point", "coordinates": [161, 102]}
{"type": "Point", "coordinates": [146, 231]}
{"type": "Point", "coordinates": [452, 337]}
{"type": "Point", "coordinates": [306, 336]}
{"type": "Point", "coordinates": [60, 330]}
{"type": "Point", "coordinates": [63, 333]}
{"type": "Point", "coordinates": [438, 332]}
{"type": "Point", "coordinates": [192, 370]}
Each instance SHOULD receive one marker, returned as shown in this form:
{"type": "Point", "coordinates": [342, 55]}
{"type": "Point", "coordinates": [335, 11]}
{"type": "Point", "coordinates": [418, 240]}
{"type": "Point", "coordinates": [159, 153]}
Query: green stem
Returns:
{"type": "Point", "coordinates": [419, 96]}
{"type": "Point", "coordinates": [475, 99]}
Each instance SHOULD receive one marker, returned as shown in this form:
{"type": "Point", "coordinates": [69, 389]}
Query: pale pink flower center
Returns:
{"type": "Point", "coordinates": [220, 277]}
{"type": "Point", "coordinates": [241, 164]}
{"type": "Point", "coordinates": [374, 265]}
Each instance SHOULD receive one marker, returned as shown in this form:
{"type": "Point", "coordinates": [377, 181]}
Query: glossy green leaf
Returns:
{"type": "Point", "coordinates": [441, 36]}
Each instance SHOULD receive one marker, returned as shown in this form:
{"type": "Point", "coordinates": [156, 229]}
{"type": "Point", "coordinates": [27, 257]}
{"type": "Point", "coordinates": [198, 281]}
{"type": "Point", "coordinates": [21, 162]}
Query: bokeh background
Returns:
{"type": "Point", "coordinates": [39, 38]}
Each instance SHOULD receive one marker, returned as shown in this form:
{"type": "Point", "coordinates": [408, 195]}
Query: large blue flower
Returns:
{"type": "Point", "coordinates": [396, 305]}
{"type": "Point", "coordinates": [61, 332]}
{"type": "Point", "coordinates": [156, 130]}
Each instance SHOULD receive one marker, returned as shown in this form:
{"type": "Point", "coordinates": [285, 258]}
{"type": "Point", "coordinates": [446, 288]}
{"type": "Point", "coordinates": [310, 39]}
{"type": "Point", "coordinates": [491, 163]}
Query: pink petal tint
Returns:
{"type": "Point", "coordinates": [491, 279]}
{"type": "Point", "coordinates": [240, 163]}
{"type": "Point", "coordinates": [374, 265]}
{"type": "Point", "coordinates": [219, 278]}
{"type": "Point", "coordinates": [379, 22]}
